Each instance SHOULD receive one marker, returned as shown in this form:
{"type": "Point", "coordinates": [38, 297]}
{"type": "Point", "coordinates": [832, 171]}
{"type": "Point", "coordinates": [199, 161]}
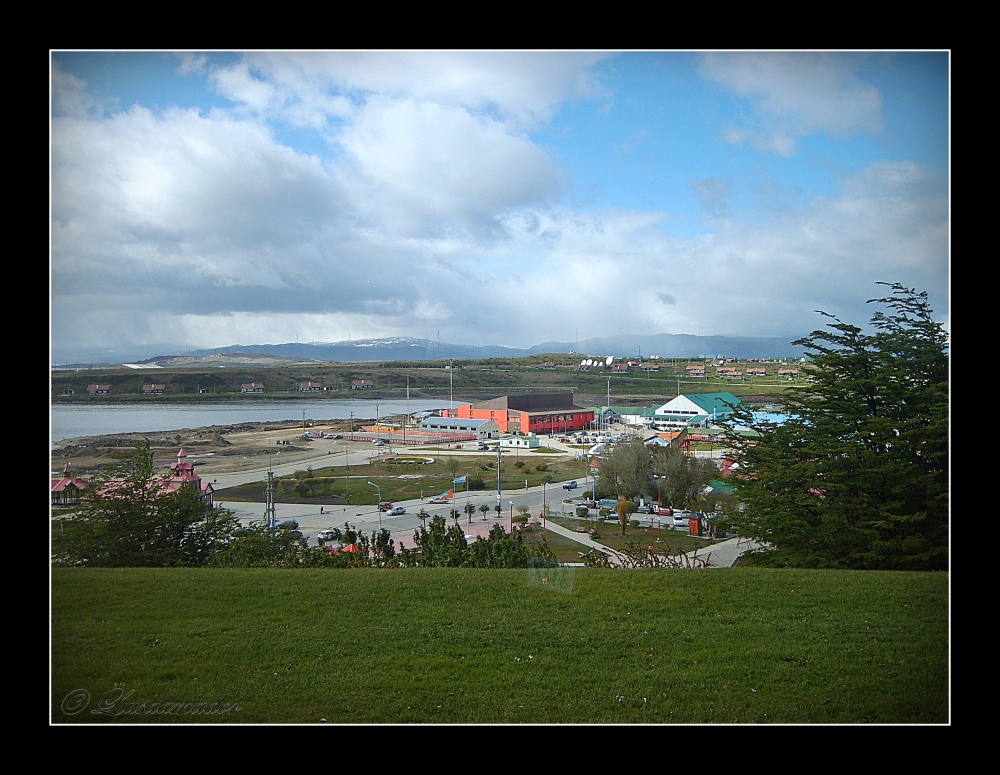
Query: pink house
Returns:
{"type": "Point", "coordinates": [66, 491]}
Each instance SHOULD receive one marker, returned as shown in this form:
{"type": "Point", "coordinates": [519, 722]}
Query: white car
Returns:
{"type": "Point", "coordinates": [395, 511]}
{"type": "Point", "coordinates": [325, 535]}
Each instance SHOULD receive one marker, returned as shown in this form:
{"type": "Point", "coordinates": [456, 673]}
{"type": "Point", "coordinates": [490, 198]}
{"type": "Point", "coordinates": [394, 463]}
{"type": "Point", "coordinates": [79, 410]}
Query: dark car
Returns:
{"type": "Point", "coordinates": [289, 524]}
{"type": "Point", "coordinates": [643, 510]}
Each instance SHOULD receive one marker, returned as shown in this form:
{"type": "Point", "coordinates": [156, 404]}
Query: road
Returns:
{"type": "Point", "coordinates": [367, 518]}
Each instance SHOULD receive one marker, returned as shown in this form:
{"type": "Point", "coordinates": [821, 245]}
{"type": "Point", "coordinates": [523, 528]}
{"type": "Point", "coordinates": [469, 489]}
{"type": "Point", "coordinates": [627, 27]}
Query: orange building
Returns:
{"type": "Point", "coordinates": [538, 413]}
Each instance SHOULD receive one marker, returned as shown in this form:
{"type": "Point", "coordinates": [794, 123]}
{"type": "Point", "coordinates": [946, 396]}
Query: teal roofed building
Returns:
{"type": "Point", "coordinates": [687, 406]}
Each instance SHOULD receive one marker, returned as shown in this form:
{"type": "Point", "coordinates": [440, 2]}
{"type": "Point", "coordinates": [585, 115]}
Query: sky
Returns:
{"type": "Point", "coordinates": [490, 197]}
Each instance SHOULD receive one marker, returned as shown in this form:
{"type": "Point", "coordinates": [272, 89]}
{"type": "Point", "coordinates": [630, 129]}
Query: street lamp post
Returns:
{"type": "Point", "coordinates": [499, 488]}
{"type": "Point", "coordinates": [379, 504]}
{"type": "Point", "coordinates": [347, 462]}
{"type": "Point", "coordinates": [512, 517]}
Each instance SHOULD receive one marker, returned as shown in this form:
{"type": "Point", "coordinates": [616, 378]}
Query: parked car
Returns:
{"type": "Point", "coordinates": [664, 512]}
{"type": "Point", "coordinates": [570, 485]}
{"type": "Point", "coordinates": [395, 511]}
{"type": "Point", "coordinates": [589, 504]}
{"type": "Point", "coordinates": [288, 524]}
{"type": "Point", "coordinates": [681, 521]}
{"type": "Point", "coordinates": [325, 535]}
{"type": "Point", "coordinates": [643, 510]}
{"type": "Point", "coordinates": [385, 506]}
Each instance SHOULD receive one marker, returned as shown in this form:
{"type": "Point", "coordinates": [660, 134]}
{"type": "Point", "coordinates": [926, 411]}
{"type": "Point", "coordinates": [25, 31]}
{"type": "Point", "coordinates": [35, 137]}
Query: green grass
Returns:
{"type": "Point", "coordinates": [456, 645]}
{"type": "Point", "coordinates": [565, 549]}
{"type": "Point", "coordinates": [610, 534]}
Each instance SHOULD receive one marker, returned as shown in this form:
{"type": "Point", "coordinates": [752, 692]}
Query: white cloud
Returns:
{"type": "Point", "coordinates": [525, 88]}
{"type": "Point", "coordinates": [796, 94]}
{"type": "Point", "coordinates": [191, 63]}
{"type": "Point", "coordinates": [435, 210]}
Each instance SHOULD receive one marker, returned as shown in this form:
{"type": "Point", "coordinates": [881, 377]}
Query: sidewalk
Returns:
{"type": "Point", "coordinates": [724, 554]}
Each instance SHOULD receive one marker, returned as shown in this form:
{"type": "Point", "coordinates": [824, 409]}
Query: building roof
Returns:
{"type": "Point", "coordinates": [713, 402]}
{"type": "Point", "coordinates": [531, 403]}
{"type": "Point", "coordinates": [67, 480]}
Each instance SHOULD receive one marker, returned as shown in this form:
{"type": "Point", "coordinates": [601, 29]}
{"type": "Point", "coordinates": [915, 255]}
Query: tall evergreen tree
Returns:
{"type": "Point", "coordinates": [858, 478]}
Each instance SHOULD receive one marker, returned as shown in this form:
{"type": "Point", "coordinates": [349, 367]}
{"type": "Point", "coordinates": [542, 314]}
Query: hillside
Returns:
{"type": "Point", "coordinates": [453, 645]}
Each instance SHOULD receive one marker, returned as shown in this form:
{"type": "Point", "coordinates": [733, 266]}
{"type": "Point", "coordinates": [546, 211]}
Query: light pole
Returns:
{"type": "Point", "coordinates": [347, 462]}
{"type": "Point", "coordinates": [512, 517]}
{"type": "Point", "coordinates": [378, 435]}
{"type": "Point", "coordinates": [379, 504]}
{"type": "Point", "coordinates": [499, 489]}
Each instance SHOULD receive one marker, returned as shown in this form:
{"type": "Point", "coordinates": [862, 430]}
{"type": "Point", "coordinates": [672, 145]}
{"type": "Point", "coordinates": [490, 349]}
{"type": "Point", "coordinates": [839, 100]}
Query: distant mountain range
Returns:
{"type": "Point", "coordinates": [410, 349]}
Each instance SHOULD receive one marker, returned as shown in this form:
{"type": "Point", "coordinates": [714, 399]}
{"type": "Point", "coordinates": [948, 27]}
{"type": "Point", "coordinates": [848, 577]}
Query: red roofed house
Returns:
{"type": "Point", "coordinates": [154, 389]}
{"type": "Point", "coordinates": [182, 475]}
{"type": "Point", "coordinates": [309, 387]}
{"type": "Point", "coordinates": [98, 390]}
{"type": "Point", "coordinates": [251, 387]}
{"type": "Point", "coordinates": [66, 491]}
{"type": "Point", "coordinates": [362, 384]}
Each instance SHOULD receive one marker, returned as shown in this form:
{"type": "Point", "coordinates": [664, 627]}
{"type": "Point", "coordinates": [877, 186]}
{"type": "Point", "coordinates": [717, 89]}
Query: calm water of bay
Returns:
{"type": "Point", "coordinates": [68, 422]}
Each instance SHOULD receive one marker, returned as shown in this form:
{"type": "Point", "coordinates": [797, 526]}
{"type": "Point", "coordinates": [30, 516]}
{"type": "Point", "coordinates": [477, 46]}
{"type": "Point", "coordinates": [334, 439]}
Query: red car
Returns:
{"type": "Point", "coordinates": [385, 505]}
{"type": "Point", "coordinates": [664, 512]}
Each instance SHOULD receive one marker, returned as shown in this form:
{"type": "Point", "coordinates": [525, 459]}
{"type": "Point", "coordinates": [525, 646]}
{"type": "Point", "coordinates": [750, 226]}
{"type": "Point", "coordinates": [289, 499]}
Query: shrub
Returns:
{"type": "Point", "coordinates": [542, 467]}
{"type": "Point", "coordinates": [477, 484]}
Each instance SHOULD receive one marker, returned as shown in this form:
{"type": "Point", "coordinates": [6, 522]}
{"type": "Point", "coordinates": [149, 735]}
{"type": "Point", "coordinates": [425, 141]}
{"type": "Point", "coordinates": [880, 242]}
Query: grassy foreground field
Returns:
{"type": "Point", "coordinates": [463, 645]}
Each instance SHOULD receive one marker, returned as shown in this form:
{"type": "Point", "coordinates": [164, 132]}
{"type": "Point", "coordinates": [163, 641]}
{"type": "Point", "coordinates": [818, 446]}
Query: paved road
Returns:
{"type": "Point", "coordinates": [401, 527]}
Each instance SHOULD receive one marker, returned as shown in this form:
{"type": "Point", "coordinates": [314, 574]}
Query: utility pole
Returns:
{"type": "Point", "coordinates": [270, 518]}
{"type": "Point", "coordinates": [347, 462]}
{"type": "Point", "coordinates": [499, 490]}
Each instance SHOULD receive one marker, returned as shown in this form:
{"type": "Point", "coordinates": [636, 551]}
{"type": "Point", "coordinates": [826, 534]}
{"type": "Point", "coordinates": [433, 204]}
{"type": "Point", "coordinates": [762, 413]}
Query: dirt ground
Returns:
{"type": "Point", "coordinates": [216, 449]}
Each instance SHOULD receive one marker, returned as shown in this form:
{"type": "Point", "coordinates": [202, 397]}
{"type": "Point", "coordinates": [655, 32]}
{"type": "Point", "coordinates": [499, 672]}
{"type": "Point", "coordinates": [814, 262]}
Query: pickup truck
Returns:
{"type": "Point", "coordinates": [570, 485]}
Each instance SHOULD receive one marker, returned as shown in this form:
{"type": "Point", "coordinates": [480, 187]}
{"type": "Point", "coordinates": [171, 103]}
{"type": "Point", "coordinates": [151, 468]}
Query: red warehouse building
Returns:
{"type": "Point", "coordinates": [539, 413]}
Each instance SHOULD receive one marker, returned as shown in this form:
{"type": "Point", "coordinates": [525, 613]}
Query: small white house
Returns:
{"type": "Point", "coordinates": [519, 442]}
